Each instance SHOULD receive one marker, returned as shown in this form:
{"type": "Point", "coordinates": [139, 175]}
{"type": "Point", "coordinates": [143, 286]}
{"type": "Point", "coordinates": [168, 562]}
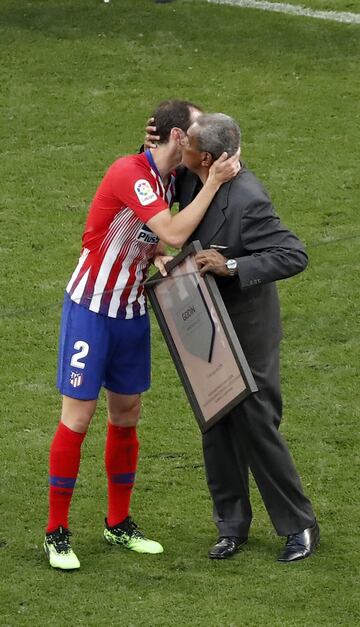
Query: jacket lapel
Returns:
{"type": "Point", "coordinates": [214, 217]}
{"type": "Point", "coordinates": [186, 184]}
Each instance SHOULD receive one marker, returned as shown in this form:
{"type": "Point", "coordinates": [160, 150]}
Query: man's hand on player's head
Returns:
{"type": "Point", "coordinates": [225, 168]}
{"type": "Point", "coordinates": [151, 138]}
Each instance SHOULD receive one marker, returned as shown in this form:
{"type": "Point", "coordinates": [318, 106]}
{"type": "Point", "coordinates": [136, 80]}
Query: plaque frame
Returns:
{"type": "Point", "coordinates": [233, 345]}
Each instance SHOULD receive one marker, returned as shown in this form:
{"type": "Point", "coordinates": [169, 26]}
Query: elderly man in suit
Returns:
{"type": "Point", "coordinates": [256, 251]}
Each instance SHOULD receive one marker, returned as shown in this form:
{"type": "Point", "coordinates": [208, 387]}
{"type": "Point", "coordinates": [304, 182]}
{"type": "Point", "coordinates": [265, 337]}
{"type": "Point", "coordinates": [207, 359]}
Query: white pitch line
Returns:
{"type": "Point", "coordinates": [280, 7]}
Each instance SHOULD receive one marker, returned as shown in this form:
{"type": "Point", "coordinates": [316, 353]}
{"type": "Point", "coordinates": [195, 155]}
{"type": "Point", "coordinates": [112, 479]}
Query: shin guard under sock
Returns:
{"type": "Point", "coordinates": [121, 454]}
{"type": "Point", "coordinates": [65, 451]}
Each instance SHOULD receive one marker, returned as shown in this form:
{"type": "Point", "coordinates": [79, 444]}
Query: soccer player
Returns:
{"type": "Point", "coordinates": [105, 336]}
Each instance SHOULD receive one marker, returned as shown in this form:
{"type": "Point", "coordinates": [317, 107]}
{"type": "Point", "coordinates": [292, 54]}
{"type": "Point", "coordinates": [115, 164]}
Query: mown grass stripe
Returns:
{"type": "Point", "coordinates": [298, 10]}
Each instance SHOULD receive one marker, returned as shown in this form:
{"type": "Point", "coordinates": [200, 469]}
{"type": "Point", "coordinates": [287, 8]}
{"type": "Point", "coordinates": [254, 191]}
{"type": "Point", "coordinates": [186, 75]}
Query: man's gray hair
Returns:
{"type": "Point", "coordinates": [217, 133]}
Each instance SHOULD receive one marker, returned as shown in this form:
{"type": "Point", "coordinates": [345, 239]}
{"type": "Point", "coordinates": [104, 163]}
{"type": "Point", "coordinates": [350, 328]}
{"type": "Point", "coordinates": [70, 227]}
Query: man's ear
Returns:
{"type": "Point", "coordinates": [178, 135]}
{"type": "Point", "coordinates": [207, 159]}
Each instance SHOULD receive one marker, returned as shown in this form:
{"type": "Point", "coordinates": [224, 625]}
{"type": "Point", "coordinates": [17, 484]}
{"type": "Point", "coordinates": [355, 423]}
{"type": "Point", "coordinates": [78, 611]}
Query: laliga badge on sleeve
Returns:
{"type": "Point", "coordinates": [144, 192]}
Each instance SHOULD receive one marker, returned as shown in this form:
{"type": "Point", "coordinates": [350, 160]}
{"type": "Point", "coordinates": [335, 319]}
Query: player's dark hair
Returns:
{"type": "Point", "coordinates": [172, 113]}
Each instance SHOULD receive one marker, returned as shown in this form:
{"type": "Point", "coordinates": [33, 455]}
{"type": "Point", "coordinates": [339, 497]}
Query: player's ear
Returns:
{"type": "Point", "coordinates": [178, 135]}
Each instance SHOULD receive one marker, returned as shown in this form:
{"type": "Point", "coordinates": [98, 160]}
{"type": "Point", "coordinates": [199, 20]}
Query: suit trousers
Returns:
{"type": "Point", "coordinates": [248, 437]}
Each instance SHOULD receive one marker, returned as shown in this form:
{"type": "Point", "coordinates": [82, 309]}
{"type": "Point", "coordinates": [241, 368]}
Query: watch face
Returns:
{"type": "Point", "coordinates": [231, 264]}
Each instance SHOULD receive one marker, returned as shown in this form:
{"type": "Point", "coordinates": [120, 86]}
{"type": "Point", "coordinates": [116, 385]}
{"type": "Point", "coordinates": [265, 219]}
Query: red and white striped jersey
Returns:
{"type": "Point", "coordinates": [117, 245]}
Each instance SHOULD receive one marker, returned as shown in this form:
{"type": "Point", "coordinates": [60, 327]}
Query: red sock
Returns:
{"type": "Point", "coordinates": [64, 465]}
{"type": "Point", "coordinates": [121, 454]}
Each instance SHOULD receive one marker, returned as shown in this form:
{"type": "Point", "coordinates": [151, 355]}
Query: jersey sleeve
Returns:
{"type": "Point", "coordinates": [134, 185]}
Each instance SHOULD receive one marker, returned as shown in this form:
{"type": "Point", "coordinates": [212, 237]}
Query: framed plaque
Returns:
{"type": "Point", "coordinates": [200, 337]}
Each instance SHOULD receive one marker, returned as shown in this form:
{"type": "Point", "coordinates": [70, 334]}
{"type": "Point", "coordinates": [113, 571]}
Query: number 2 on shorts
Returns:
{"type": "Point", "coordinates": [82, 349]}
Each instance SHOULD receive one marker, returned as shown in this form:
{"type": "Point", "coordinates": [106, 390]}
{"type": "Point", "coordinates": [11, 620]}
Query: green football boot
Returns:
{"type": "Point", "coordinates": [128, 535]}
{"type": "Point", "coordinates": [57, 548]}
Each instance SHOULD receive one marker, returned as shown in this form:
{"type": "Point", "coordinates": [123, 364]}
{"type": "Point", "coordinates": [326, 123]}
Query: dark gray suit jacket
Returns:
{"type": "Point", "coordinates": [242, 218]}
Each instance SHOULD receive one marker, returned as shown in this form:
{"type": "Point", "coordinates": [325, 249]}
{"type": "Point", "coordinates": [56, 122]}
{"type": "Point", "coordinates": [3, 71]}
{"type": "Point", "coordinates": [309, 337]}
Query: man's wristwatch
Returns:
{"type": "Point", "coordinates": [231, 265]}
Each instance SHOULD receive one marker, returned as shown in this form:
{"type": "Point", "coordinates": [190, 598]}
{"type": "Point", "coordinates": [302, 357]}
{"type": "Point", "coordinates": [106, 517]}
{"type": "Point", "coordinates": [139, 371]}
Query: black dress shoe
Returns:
{"type": "Point", "coordinates": [300, 545]}
{"type": "Point", "coordinates": [225, 547]}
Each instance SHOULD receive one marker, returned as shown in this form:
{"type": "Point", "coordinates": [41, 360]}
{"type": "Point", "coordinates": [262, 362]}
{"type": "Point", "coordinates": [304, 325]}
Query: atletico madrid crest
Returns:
{"type": "Point", "coordinates": [76, 379]}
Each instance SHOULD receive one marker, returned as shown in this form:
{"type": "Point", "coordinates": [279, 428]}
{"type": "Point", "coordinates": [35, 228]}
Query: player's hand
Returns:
{"type": "Point", "coordinates": [225, 168]}
{"type": "Point", "coordinates": [211, 260]}
{"type": "Point", "coordinates": [160, 261]}
{"type": "Point", "coordinates": [151, 138]}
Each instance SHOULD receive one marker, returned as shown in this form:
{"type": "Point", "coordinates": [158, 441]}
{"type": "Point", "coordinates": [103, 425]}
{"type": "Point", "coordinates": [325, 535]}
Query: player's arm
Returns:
{"type": "Point", "coordinates": [174, 230]}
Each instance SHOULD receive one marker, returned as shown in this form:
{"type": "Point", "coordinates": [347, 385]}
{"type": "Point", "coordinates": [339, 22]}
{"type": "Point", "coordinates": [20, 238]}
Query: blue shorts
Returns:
{"type": "Point", "coordinates": [96, 351]}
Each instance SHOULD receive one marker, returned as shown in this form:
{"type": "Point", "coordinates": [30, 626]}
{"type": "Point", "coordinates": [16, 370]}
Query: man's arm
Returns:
{"type": "Point", "coordinates": [174, 230]}
{"type": "Point", "coordinates": [272, 252]}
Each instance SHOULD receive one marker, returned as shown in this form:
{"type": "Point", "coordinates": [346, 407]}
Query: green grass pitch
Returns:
{"type": "Point", "coordinates": [78, 80]}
